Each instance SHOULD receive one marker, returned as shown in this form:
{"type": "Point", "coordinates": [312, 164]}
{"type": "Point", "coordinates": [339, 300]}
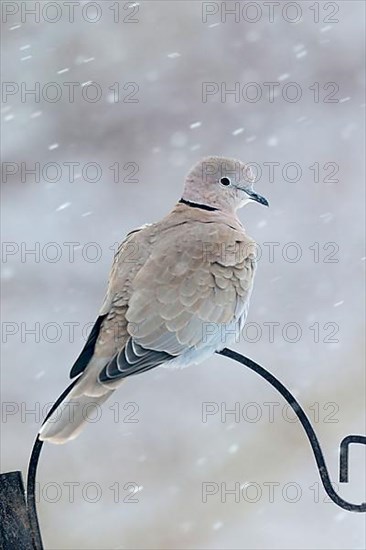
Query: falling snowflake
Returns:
{"type": "Point", "coordinates": [283, 76]}
{"type": "Point", "coordinates": [272, 141]}
{"type": "Point", "coordinates": [63, 206]}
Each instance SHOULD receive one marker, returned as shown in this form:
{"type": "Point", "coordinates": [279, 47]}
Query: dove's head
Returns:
{"type": "Point", "coordinates": [222, 183]}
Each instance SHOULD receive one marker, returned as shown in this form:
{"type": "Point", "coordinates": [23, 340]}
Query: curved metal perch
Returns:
{"type": "Point", "coordinates": [318, 454]}
{"type": "Point", "coordinates": [31, 476]}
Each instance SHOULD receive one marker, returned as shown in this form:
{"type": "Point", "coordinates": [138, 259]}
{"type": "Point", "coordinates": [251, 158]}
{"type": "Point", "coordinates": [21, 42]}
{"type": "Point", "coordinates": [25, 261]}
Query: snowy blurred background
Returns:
{"type": "Point", "coordinates": [161, 53]}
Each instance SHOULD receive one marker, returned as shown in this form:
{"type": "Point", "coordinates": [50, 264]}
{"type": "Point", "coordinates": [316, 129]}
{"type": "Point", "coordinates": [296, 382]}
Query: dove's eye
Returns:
{"type": "Point", "coordinates": [225, 181]}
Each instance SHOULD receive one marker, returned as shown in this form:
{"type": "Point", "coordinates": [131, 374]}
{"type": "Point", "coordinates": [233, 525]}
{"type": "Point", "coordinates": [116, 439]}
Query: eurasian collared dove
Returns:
{"type": "Point", "coordinates": [170, 283]}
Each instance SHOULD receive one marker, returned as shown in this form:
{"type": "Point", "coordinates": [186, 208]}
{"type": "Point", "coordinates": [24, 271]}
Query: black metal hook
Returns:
{"type": "Point", "coordinates": [318, 454]}
{"type": "Point", "coordinates": [343, 454]}
{"type": "Point", "coordinates": [315, 445]}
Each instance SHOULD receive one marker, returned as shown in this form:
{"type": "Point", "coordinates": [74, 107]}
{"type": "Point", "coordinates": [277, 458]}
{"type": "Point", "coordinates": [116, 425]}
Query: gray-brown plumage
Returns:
{"type": "Point", "coordinates": [178, 290]}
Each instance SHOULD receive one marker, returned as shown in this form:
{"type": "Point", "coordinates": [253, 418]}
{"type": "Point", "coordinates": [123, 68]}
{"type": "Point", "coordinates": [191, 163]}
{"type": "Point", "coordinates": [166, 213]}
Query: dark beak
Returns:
{"type": "Point", "coordinates": [257, 198]}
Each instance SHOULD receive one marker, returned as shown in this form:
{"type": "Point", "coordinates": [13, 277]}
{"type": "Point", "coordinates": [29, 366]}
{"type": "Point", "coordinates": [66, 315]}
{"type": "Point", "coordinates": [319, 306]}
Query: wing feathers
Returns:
{"type": "Point", "coordinates": [87, 352]}
{"type": "Point", "coordinates": [133, 359]}
{"type": "Point", "coordinates": [172, 290]}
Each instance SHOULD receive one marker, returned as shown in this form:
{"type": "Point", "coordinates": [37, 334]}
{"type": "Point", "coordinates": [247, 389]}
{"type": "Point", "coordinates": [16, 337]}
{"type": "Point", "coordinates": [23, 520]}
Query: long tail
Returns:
{"type": "Point", "coordinates": [69, 418]}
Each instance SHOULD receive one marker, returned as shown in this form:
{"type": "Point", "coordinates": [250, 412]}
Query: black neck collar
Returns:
{"type": "Point", "coordinates": [197, 205]}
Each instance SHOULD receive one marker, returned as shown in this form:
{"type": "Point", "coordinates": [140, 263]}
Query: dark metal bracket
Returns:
{"type": "Point", "coordinates": [19, 527]}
